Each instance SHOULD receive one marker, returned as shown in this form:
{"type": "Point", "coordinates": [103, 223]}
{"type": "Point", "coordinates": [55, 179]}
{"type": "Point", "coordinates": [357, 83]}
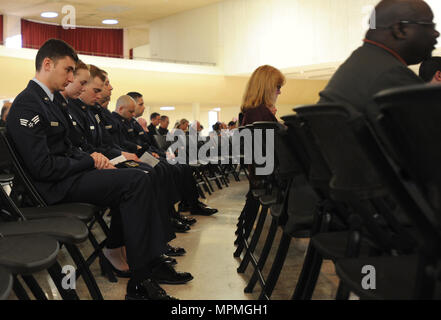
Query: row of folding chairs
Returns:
{"type": "Point", "coordinates": [364, 188]}
{"type": "Point", "coordinates": [219, 167]}
{"type": "Point", "coordinates": [33, 233]}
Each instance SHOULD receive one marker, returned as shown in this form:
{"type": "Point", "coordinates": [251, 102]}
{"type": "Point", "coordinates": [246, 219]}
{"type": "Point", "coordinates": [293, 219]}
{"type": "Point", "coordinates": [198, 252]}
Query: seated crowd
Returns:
{"type": "Point", "coordinates": [69, 140]}
{"type": "Point", "coordinates": [76, 150]}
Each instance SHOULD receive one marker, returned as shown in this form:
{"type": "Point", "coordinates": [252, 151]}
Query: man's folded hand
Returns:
{"type": "Point", "coordinates": [101, 162]}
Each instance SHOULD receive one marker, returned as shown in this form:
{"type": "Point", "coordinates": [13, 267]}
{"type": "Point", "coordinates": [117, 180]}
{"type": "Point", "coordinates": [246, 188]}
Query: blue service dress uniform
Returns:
{"type": "Point", "coordinates": [61, 173]}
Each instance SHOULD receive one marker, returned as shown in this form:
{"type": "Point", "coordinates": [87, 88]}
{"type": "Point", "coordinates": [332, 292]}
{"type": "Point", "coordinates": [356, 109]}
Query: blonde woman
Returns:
{"type": "Point", "coordinates": [259, 103]}
{"type": "Point", "coordinates": [263, 89]}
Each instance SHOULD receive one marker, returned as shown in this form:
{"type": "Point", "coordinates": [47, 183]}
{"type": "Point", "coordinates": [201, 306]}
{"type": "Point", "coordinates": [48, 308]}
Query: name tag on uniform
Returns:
{"type": "Point", "coordinates": [92, 127]}
{"type": "Point", "coordinates": [54, 124]}
{"type": "Point", "coordinates": [141, 133]}
{"type": "Point", "coordinates": [130, 130]}
{"type": "Point", "coordinates": [108, 127]}
{"type": "Point", "coordinates": [97, 117]}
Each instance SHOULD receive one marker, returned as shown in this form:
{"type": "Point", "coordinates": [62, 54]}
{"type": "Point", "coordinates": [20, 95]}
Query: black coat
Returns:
{"type": "Point", "coordinates": [369, 70]}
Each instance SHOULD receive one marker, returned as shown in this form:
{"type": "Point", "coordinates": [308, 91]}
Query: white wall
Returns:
{"type": "Point", "coordinates": [285, 33]}
{"type": "Point", "coordinates": [249, 33]}
{"type": "Point", "coordinates": [189, 36]}
{"type": "Point", "coordinates": [142, 52]}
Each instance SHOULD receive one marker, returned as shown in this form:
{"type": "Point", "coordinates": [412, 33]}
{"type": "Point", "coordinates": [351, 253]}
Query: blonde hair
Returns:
{"type": "Point", "coordinates": [261, 86]}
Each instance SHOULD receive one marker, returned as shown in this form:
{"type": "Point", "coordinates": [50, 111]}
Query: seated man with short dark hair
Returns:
{"type": "Point", "coordinates": [163, 125]}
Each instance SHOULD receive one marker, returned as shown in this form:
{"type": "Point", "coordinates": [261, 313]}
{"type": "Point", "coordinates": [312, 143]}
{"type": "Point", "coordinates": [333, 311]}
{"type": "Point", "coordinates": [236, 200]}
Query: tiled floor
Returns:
{"type": "Point", "coordinates": [210, 259]}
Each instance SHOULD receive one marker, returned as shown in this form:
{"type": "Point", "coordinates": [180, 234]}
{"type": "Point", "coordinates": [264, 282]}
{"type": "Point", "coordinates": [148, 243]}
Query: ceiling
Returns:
{"type": "Point", "coordinates": [91, 13]}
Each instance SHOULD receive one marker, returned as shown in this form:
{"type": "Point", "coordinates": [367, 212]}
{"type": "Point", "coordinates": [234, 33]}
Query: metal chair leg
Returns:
{"type": "Point", "coordinates": [263, 257]}
{"type": "Point", "coordinates": [56, 275]}
{"type": "Point", "coordinates": [34, 287]}
{"type": "Point", "coordinates": [255, 238]}
{"type": "Point", "coordinates": [18, 289]}
{"type": "Point", "coordinates": [276, 268]}
{"type": "Point", "coordinates": [85, 272]}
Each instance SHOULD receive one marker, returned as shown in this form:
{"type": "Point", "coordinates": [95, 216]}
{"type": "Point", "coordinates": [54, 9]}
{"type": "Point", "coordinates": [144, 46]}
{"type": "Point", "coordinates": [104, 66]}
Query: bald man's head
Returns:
{"type": "Point", "coordinates": [125, 106]}
{"type": "Point", "coordinates": [405, 26]}
{"type": "Point", "coordinates": [389, 12]}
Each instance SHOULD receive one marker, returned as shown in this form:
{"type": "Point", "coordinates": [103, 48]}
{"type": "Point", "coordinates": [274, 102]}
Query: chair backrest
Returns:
{"type": "Point", "coordinates": [286, 164]}
{"type": "Point", "coordinates": [409, 126]}
{"type": "Point", "coordinates": [357, 180]}
{"type": "Point", "coordinates": [21, 178]}
{"type": "Point", "coordinates": [307, 151]}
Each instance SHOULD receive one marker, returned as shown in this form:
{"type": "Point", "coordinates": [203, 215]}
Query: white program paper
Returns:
{"type": "Point", "coordinates": [118, 160]}
{"type": "Point", "coordinates": [147, 158]}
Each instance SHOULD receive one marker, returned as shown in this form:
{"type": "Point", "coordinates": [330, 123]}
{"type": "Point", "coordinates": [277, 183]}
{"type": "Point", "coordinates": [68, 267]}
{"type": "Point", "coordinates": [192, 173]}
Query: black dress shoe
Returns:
{"type": "Point", "coordinates": [178, 226]}
{"type": "Point", "coordinates": [175, 251]}
{"type": "Point", "coordinates": [203, 211]}
{"type": "Point", "coordinates": [167, 259]}
{"type": "Point", "coordinates": [146, 290]}
{"type": "Point", "coordinates": [187, 220]}
{"type": "Point", "coordinates": [166, 274]}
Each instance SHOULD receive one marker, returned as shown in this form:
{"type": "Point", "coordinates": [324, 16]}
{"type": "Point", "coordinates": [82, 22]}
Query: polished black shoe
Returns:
{"type": "Point", "coordinates": [175, 251]}
{"type": "Point", "coordinates": [178, 226]}
{"type": "Point", "coordinates": [165, 273]}
{"type": "Point", "coordinates": [167, 259]}
{"type": "Point", "coordinates": [146, 290]}
{"type": "Point", "coordinates": [202, 211]}
{"type": "Point", "coordinates": [187, 220]}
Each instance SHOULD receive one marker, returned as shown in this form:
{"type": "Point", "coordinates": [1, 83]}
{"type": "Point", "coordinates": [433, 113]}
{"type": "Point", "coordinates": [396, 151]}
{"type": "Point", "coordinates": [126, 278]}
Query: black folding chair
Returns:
{"type": "Point", "coordinates": [84, 212]}
{"type": "Point", "coordinates": [365, 184]}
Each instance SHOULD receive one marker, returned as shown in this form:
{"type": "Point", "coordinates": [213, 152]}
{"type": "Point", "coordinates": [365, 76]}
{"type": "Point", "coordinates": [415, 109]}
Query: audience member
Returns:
{"type": "Point", "coordinates": [163, 125]}
{"type": "Point", "coordinates": [261, 94]}
{"type": "Point", "coordinates": [154, 121]}
{"type": "Point", "coordinates": [405, 34]}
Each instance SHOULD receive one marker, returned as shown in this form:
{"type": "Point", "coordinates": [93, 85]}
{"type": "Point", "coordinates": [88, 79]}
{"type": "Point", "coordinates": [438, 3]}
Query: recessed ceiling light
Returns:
{"type": "Point", "coordinates": [167, 108]}
{"type": "Point", "coordinates": [110, 21]}
{"type": "Point", "coordinates": [49, 14]}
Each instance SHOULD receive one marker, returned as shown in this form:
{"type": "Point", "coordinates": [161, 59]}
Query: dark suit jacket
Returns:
{"type": "Point", "coordinates": [39, 132]}
{"type": "Point", "coordinates": [368, 70]}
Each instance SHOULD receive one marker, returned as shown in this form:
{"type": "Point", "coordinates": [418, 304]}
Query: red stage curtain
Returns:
{"type": "Point", "coordinates": [93, 41]}
{"type": "Point", "coordinates": [1, 29]}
